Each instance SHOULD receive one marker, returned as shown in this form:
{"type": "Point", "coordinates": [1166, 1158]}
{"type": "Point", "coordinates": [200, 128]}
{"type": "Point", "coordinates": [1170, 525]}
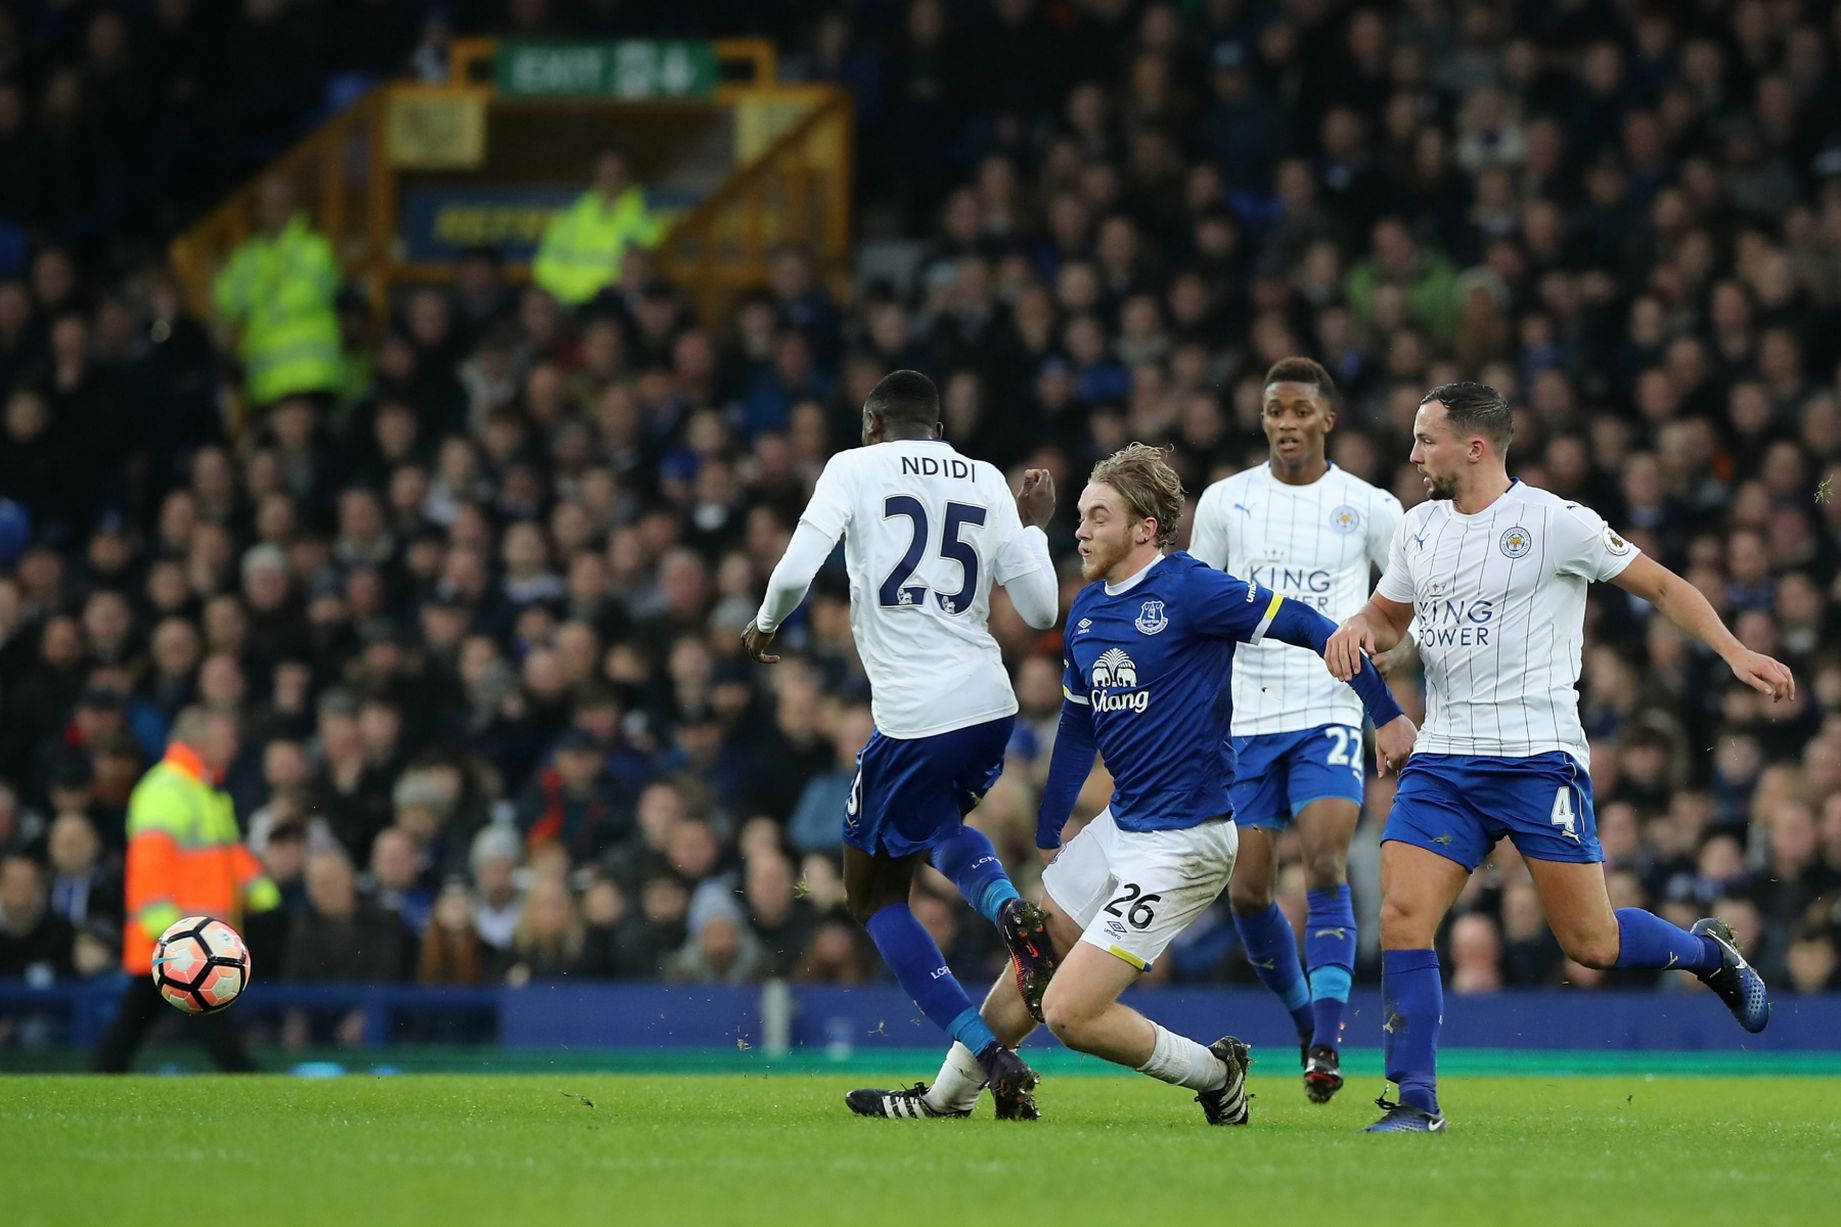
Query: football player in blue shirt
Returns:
{"type": "Point", "coordinates": [1148, 657]}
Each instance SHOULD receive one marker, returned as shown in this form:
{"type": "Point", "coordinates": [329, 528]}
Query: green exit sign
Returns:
{"type": "Point", "coordinates": [629, 68]}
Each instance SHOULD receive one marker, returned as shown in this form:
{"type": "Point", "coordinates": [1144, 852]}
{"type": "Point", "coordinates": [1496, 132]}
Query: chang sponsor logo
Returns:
{"type": "Point", "coordinates": [1114, 669]}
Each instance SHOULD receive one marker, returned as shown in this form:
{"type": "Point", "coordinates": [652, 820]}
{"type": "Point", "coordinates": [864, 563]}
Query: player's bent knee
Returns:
{"type": "Point", "coordinates": [1406, 928]}
{"type": "Point", "coordinates": [867, 905]}
{"type": "Point", "coordinates": [1594, 949]}
{"type": "Point", "coordinates": [1066, 1014]}
{"type": "Point", "coordinates": [1248, 898]}
{"type": "Point", "coordinates": [1326, 871]}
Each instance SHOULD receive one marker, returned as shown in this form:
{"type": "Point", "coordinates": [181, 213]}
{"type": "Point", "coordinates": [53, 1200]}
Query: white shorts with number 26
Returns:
{"type": "Point", "coordinates": [1132, 892]}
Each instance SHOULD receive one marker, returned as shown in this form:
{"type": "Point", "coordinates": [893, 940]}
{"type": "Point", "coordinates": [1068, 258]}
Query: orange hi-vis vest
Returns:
{"type": "Point", "coordinates": [185, 856]}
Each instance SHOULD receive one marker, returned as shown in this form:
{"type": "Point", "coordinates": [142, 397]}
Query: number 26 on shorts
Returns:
{"type": "Point", "coordinates": [1136, 903]}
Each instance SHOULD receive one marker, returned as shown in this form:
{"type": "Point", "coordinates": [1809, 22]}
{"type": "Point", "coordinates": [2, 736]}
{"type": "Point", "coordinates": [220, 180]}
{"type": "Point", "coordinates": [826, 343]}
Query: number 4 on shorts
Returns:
{"type": "Point", "coordinates": [1563, 815]}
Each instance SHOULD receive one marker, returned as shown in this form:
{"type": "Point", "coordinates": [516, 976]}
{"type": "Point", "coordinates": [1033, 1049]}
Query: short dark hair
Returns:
{"type": "Point", "coordinates": [1303, 370]}
{"type": "Point", "coordinates": [905, 398]}
{"type": "Point", "coordinates": [1475, 408]}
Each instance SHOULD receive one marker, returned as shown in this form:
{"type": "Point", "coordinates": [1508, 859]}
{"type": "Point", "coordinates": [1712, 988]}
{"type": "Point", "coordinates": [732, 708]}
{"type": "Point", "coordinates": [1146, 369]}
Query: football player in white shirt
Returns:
{"type": "Point", "coordinates": [926, 533]}
{"type": "Point", "coordinates": [1494, 573]}
{"type": "Point", "coordinates": [1312, 533]}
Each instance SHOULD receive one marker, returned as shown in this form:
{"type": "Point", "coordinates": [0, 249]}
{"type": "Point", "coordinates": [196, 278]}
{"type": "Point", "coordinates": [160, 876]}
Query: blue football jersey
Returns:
{"type": "Point", "coordinates": [1152, 660]}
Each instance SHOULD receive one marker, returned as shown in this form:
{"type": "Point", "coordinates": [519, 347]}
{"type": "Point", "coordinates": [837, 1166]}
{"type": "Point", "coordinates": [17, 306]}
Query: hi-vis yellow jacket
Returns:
{"type": "Point", "coordinates": [584, 244]}
{"type": "Point", "coordinates": [185, 857]}
{"type": "Point", "coordinates": [282, 293]}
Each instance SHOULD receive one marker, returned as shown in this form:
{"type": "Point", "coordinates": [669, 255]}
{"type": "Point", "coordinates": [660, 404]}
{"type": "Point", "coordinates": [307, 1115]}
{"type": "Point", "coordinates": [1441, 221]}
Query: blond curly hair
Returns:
{"type": "Point", "coordinates": [1150, 487]}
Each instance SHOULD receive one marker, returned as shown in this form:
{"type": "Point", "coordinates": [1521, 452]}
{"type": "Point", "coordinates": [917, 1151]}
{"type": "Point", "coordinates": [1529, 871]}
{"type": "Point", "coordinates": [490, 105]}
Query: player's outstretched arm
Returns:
{"type": "Point", "coordinates": [1395, 733]}
{"type": "Point", "coordinates": [1068, 768]}
{"type": "Point", "coordinates": [1682, 603]}
{"type": "Point", "coordinates": [786, 587]}
{"type": "Point", "coordinates": [1377, 628]}
{"type": "Point", "coordinates": [1028, 570]}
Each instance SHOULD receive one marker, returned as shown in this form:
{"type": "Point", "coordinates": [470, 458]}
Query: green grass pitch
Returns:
{"type": "Point", "coordinates": [701, 1149]}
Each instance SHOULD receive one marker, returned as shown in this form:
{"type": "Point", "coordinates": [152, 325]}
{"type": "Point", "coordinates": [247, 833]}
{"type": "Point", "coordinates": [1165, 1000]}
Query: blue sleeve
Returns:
{"type": "Point", "coordinates": [1225, 606]}
{"type": "Point", "coordinates": [1296, 623]}
{"type": "Point", "coordinates": [1068, 768]}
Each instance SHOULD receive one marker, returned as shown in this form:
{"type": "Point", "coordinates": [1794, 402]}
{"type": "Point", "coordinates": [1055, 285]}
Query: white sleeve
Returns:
{"type": "Point", "coordinates": [1585, 546]}
{"type": "Point", "coordinates": [1397, 577]}
{"type": "Point", "coordinates": [1385, 516]}
{"type": "Point", "coordinates": [1015, 554]}
{"type": "Point", "coordinates": [1208, 534]}
{"type": "Point", "coordinates": [1034, 592]}
{"type": "Point", "coordinates": [823, 522]}
{"type": "Point", "coordinates": [805, 553]}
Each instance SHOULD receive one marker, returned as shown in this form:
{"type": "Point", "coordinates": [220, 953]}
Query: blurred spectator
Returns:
{"type": "Point", "coordinates": [276, 294]}
{"type": "Point", "coordinates": [585, 245]}
{"type": "Point", "coordinates": [82, 885]}
{"type": "Point", "coordinates": [577, 802]}
{"type": "Point", "coordinates": [547, 944]}
{"type": "Point", "coordinates": [720, 948]}
{"type": "Point", "coordinates": [816, 824]}
{"type": "Point", "coordinates": [185, 858]}
{"type": "Point", "coordinates": [452, 952]}
{"type": "Point", "coordinates": [341, 936]}
{"type": "Point", "coordinates": [497, 901]}
{"type": "Point", "coordinates": [394, 880]}
{"type": "Point", "coordinates": [777, 917]}
{"type": "Point", "coordinates": [35, 942]}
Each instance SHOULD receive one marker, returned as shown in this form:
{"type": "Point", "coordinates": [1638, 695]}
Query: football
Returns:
{"type": "Point", "coordinates": [200, 965]}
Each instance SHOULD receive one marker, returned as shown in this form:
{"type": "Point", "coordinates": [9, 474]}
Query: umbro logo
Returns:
{"type": "Point", "coordinates": [1339, 934]}
{"type": "Point", "coordinates": [1083, 626]}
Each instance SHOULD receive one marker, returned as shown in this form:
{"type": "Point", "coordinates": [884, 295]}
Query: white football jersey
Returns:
{"type": "Point", "coordinates": [926, 532]}
{"type": "Point", "coordinates": [1315, 544]}
{"type": "Point", "coordinates": [1499, 600]}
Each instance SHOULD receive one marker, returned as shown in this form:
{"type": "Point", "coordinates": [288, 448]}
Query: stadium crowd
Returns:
{"type": "Point", "coordinates": [479, 604]}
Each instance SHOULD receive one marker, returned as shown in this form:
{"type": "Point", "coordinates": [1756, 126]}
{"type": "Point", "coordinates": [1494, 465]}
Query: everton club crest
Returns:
{"type": "Point", "coordinates": [1151, 618]}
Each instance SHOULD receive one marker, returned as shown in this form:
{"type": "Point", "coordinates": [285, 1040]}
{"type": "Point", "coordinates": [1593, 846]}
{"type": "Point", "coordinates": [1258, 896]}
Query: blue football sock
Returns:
{"type": "Point", "coordinates": [1413, 1006]}
{"type": "Point", "coordinates": [1646, 940]}
{"type": "Point", "coordinates": [1272, 949]}
{"type": "Point", "coordinates": [967, 857]}
{"type": "Point", "coordinates": [1329, 953]}
{"type": "Point", "coordinates": [911, 954]}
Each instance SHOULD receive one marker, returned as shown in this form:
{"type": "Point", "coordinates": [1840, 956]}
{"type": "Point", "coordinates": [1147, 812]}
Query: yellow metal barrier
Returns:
{"type": "Point", "coordinates": [792, 149]}
{"type": "Point", "coordinates": [795, 193]}
{"type": "Point", "coordinates": [341, 177]}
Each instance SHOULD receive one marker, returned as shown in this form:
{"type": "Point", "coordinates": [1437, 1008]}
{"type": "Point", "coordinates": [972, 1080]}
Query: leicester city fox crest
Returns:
{"type": "Point", "coordinates": [1516, 542]}
{"type": "Point", "coordinates": [1151, 618]}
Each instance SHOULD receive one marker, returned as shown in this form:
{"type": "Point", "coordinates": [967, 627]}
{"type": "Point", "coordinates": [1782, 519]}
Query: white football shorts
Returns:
{"type": "Point", "coordinates": [1132, 892]}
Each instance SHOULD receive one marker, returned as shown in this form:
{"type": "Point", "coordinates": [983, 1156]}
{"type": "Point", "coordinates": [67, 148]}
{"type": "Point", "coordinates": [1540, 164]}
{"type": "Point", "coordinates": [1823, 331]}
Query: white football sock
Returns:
{"type": "Point", "coordinates": [1181, 1061]}
{"type": "Point", "coordinates": [959, 1083]}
